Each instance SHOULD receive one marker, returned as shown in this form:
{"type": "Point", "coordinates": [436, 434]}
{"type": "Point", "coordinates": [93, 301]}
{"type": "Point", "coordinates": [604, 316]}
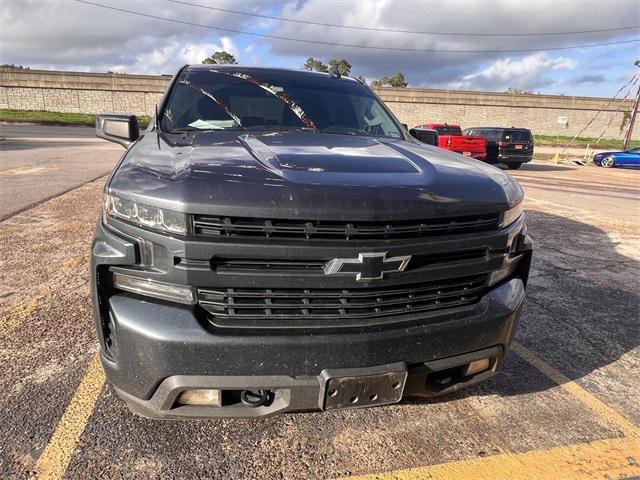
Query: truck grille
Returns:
{"type": "Point", "coordinates": [297, 229]}
{"type": "Point", "coordinates": [264, 266]}
{"type": "Point", "coordinates": [333, 305]}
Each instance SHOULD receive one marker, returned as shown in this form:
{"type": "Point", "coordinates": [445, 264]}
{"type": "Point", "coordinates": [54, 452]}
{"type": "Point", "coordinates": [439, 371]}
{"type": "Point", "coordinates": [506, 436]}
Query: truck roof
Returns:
{"type": "Point", "coordinates": [497, 128]}
{"type": "Point", "coordinates": [430, 125]}
{"type": "Point", "coordinates": [249, 68]}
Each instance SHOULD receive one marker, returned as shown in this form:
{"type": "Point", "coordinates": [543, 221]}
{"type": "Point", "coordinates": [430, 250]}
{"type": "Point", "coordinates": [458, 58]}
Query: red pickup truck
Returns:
{"type": "Point", "coordinates": [450, 137]}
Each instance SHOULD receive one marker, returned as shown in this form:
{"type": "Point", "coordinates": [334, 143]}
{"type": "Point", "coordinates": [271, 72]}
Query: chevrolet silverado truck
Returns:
{"type": "Point", "coordinates": [450, 137]}
{"type": "Point", "coordinates": [276, 241]}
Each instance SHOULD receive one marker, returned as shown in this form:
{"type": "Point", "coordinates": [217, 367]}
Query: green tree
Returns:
{"type": "Point", "coordinates": [340, 65]}
{"type": "Point", "coordinates": [518, 91]}
{"type": "Point", "coordinates": [15, 67]}
{"type": "Point", "coordinates": [397, 80]}
{"type": "Point", "coordinates": [315, 65]}
{"type": "Point", "coordinates": [220, 57]}
{"type": "Point", "coordinates": [361, 78]}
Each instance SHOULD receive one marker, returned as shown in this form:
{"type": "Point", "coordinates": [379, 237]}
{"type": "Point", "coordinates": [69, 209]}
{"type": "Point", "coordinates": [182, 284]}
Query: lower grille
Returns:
{"type": "Point", "coordinates": [336, 306]}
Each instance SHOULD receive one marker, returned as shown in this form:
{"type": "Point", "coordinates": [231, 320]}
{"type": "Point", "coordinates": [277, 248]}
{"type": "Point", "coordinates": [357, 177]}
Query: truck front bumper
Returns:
{"type": "Point", "coordinates": [163, 350]}
{"type": "Point", "coordinates": [515, 158]}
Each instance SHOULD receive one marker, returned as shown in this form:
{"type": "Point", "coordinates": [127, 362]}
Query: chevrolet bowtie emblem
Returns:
{"type": "Point", "coordinates": [368, 266]}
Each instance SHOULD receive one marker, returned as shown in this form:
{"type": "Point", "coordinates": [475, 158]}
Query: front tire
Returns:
{"type": "Point", "coordinates": [608, 162]}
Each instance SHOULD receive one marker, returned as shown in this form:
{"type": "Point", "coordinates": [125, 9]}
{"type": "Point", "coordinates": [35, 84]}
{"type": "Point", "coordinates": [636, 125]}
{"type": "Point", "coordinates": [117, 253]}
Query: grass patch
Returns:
{"type": "Point", "coordinates": [562, 141]}
{"type": "Point", "coordinates": [47, 118]}
{"type": "Point", "coordinates": [56, 118]}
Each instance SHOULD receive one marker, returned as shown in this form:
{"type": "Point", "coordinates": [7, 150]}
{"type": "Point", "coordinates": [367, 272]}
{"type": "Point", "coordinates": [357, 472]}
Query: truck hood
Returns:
{"type": "Point", "coordinates": [305, 175]}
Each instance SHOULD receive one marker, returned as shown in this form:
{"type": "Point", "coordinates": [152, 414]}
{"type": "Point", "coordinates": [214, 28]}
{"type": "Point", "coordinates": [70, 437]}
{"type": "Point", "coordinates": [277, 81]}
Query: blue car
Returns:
{"type": "Point", "coordinates": [629, 158]}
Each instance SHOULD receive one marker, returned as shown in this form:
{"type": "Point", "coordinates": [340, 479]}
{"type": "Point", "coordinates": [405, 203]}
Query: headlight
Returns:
{"type": "Point", "coordinates": [145, 215]}
{"type": "Point", "coordinates": [511, 215]}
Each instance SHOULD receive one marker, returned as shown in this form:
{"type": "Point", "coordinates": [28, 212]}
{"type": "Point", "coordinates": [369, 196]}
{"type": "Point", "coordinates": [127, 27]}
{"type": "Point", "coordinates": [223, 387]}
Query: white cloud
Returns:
{"type": "Point", "coordinates": [68, 35]}
{"type": "Point", "coordinates": [166, 58]}
{"type": "Point", "coordinates": [65, 34]}
{"type": "Point", "coordinates": [528, 73]}
{"type": "Point", "coordinates": [463, 16]}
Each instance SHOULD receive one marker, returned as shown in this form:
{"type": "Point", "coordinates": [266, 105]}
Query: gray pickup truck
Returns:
{"type": "Point", "coordinates": [276, 241]}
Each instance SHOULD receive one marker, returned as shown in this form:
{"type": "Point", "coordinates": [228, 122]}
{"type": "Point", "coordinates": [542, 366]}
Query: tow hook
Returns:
{"type": "Point", "coordinates": [254, 398]}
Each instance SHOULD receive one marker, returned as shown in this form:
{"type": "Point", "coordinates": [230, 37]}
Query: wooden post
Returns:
{"type": "Point", "coordinates": [627, 138]}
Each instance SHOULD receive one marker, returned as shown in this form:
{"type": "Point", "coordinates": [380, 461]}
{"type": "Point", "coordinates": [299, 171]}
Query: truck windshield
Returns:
{"type": "Point", "coordinates": [251, 99]}
{"type": "Point", "coordinates": [521, 136]}
{"type": "Point", "coordinates": [448, 130]}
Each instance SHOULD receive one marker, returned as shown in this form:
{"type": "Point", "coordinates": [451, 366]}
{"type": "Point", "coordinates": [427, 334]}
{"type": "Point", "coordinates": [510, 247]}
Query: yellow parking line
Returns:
{"type": "Point", "coordinates": [603, 411]}
{"type": "Point", "coordinates": [612, 458]}
{"type": "Point", "coordinates": [615, 458]}
{"type": "Point", "coordinates": [32, 170]}
{"type": "Point", "coordinates": [56, 456]}
{"type": "Point", "coordinates": [16, 315]}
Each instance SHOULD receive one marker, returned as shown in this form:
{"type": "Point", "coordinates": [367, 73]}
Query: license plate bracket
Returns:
{"type": "Point", "coordinates": [362, 387]}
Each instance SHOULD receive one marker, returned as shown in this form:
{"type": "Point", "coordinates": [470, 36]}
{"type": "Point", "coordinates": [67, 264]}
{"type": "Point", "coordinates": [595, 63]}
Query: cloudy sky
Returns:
{"type": "Point", "coordinates": [69, 35]}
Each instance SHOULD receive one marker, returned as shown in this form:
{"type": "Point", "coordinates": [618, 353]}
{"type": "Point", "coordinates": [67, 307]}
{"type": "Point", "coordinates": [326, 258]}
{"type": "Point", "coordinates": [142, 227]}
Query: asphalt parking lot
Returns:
{"type": "Point", "coordinates": [39, 162]}
{"type": "Point", "coordinates": [565, 405]}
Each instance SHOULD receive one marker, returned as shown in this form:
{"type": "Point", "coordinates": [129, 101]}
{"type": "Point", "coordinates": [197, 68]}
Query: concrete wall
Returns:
{"type": "Point", "coordinates": [104, 92]}
{"type": "Point", "coordinates": [80, 92]}
{"type": "Point", "coordinates": [540, 113]}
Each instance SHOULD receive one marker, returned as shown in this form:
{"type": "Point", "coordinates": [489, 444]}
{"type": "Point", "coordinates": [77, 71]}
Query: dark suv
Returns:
{"type": "Point", "coordinates": [276, 241]}
{"type": "Point", "coordinates": [511, 146]}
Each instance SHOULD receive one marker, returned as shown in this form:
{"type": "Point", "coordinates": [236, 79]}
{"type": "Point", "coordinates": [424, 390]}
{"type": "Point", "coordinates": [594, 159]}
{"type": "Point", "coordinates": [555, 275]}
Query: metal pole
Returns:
{"type": "Point", "coordinates": [627, 138]}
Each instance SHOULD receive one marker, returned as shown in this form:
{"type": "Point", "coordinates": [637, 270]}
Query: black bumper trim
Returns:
{"type": "Point", "coordinates": [291, 394]}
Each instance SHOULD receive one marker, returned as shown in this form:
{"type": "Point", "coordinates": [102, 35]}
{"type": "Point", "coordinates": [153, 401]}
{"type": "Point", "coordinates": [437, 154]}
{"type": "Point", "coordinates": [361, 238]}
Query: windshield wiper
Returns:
{"type": "Point", "coordinates": [280, 128]}
{"type": "Point", "coordinates": [215, 100]}
{"type": "Point", "coordinates": [339, 130]}
{"type": "Point", "coordinates": [184, 129]}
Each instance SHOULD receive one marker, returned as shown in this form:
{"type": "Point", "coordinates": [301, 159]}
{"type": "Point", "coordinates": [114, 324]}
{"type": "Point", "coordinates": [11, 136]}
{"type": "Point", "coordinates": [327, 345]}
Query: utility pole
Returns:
{"type": "Point", "coordinates": [627, 137]}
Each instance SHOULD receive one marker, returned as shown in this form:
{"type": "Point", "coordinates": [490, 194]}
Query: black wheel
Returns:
{"type": "Point", "coordinates": [608, 162]}
{"type": "Point", "coordinates": [514, 166]}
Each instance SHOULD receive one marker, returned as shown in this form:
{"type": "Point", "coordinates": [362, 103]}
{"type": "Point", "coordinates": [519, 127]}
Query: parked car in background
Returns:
{"type": "Point", "coordinates": [511, 146]}
{"type": "Point", "coordinates": [629, 158]}
{"type": "Point", "coordinates": [450, 138]}
{"type": "Point", "coordinates": [425, 135]}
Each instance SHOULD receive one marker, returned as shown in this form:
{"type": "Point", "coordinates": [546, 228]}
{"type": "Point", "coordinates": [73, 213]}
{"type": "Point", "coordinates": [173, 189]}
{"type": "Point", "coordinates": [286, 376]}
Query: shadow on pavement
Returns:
{"type": "Point", "coordinates": [537, 167]}
{"type": "Point", "coordinates": [581, 311]}
{"type": "Point", "coordinates": [545, 167]}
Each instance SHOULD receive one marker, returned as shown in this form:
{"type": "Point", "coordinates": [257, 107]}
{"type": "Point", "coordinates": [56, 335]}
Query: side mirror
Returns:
{"type": "Point", "coordinates": [121, 129]}
{"type": "Point", "coordinates": [430, 137]}
{"type": "Point", "coordinates": [406, 127]}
